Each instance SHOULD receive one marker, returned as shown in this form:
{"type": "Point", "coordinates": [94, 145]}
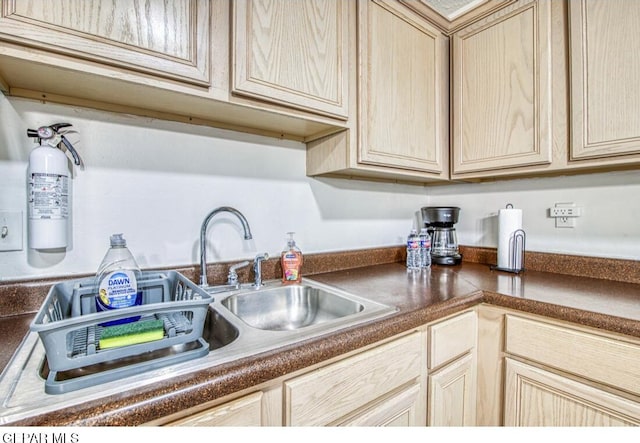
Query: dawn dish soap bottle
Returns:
{"type": "Point", "coordinates": [117, 281]}
{"type": "Point", "coordinates": [291, 261]}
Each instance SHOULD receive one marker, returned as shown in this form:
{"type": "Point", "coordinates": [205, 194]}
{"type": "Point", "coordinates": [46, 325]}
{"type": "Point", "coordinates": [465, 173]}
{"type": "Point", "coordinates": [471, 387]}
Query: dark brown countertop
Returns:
{"type": "Point", "coordinates": [420, 298]}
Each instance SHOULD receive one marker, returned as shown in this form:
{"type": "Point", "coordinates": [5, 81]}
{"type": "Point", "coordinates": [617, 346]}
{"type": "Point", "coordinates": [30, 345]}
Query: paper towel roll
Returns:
{"type": "Point", "coordinates": [509, 221]}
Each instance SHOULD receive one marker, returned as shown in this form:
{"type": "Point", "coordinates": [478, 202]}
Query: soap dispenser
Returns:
{"type": "Point", "coordinates": [291, 261]}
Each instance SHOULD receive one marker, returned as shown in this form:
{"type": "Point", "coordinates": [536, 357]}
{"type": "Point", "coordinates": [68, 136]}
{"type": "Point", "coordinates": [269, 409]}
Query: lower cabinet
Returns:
{"type": "Point", "coordinates": [488, 366]}
{"type": "Point", "coordinates": [538, 397]}
{"type": "Point", "coordinates": [561, 374]}
{"type": "Point", "coordinates": [378, 387]}
{"type": "Point", "coordinates": [261, 408]}
{"type": "Point", "coordinates": [452, 394]}
{"type": "Point", "coordinates": [452, 371]}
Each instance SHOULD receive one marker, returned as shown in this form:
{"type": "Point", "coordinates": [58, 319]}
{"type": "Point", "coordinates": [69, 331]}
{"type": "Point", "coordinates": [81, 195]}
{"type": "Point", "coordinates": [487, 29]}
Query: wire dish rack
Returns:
{"type": "Point", "coordinates": [69, 325]}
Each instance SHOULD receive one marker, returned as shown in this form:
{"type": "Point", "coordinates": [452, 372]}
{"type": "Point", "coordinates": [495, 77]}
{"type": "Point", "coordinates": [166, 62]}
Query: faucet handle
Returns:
{"type": "Point", "coordinates": [232, 276]}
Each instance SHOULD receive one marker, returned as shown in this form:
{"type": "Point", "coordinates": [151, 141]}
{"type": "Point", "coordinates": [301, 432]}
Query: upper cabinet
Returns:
{"type": "Point", "coordinates": [605, 92]}
{"type": "Point", "coordinates": [293, 52]}
{"type": "Point", "coordinates": [501, 96]}
{"type": "Point", "coordinates": [169, 39]}
{"type": "Point", "coordinates": [174, 59]}
{"type": "Point", "coordinates": [401, 128]}
{"type": "Point", "coordinates": [535, 87]}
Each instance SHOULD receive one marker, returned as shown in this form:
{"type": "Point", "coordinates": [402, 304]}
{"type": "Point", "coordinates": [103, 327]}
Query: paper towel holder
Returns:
{"type": "Point", "coordinates": [516, 251]}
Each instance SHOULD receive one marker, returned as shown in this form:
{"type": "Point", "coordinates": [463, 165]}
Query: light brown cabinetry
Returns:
{"type": "Point", "coordinates": [173, 60]}
{"type": "Point", "coordinates": [293, 52]}
{"type": "Point", "coordinates": [166, 39]}
{"type": "Point", "coordinates": [256, 409]}
{"type": "Point", "coordinates": [537, 397]}
{"type": "Point", "coordinates": [575, 377]}
{"type": "Point", "coordinates": [452, 371]}
{"type": "Point", "coordinates": [377, 387]}
{"type": "Point", "coordinates": [501, 94]}
{"type": "Point", "coordinates": [535, 371]}
{"type": "Point", "coordinates": [401, 128]}
{"type": "Point", "coordinates": [605, 92]}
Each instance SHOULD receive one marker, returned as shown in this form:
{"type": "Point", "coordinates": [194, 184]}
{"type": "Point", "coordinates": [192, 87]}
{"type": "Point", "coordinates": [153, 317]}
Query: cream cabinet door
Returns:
{"type": "Point", "coordinates": [403, 89]}
{"type": "Point", "coordinates": [245, 411]}
{"type": "Point", "coordinates": [536, 397]}
{"type": "Point", "coordinates": [401, 409]}
{"type": "Point", "coordinates": [367, 388]}
{"type": "Point", "coordinates": [502, 91]}
{"type": "Point", "coordinates": [261, 408]}
{"type": "Point", "coordinates": [452, 394]}
{"type": "Point", "coordinates": [164, 38]}
{"type": "Point", "coordinates": [293, 52]}
{"type": "Point", "coordinates": [453, 371]}
{"type": "Point", "coordinates": [605, 91]}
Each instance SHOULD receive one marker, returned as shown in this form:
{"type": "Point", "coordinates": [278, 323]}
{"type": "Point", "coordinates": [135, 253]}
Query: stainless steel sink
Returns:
{"type": "Point", "coordinates": [240, 323]}
{"type": "Point", "coordinates": [218, 331]}
{"type": "Point", "coordinates": [290, 307]}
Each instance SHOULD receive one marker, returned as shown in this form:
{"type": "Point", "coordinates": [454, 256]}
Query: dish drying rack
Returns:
{"type": "Point", "coordinates": [69, 327]}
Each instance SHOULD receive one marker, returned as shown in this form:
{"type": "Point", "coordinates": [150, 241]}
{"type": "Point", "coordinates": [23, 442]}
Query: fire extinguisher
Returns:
{"type": "Point", "coordinates": [48, 193]}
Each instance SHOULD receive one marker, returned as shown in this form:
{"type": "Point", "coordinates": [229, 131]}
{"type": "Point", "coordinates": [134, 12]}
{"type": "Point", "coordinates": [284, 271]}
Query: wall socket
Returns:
{"type": "Point", "coordinates": [10, 231]}
{"type": "Point", "coordinates": [565, 214]}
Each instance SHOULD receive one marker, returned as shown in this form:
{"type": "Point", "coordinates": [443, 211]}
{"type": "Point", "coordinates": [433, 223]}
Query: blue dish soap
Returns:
{"type": "Point", "coordinates": [117, 281]}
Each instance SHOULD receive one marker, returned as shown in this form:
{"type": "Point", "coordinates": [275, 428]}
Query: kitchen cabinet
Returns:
{"type": "Point", "coordinates": [501, 92]}
{"type": "Point", "coordinates": [293, 53]}
{"type": "Point", "coordinates": [401, 128]}
{"type": "Point", "coordinates": [172, 60]}
{"type": "Point", "coordinates": [537, 397]}
{"type": "Point", "coordinates": [261, 408]}
{"type": "Point", "coordinates": [583, 378]}
{"type": "Point", "coordinates": [605, 94]}
{"type": "Point", "coordinates": [541, 372]}
{"type": "Point", "coordinates": [452, 371]}
{"type": "Point", "coordinates": [384, 385]}
{"type": "Point", "coordinates": [165, 39]}
{"type": "Point", "coordinates": [381, 386]}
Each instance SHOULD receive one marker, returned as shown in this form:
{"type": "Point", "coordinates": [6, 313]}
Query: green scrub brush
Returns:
{"type": "Point", "coordinates": [142, 331]}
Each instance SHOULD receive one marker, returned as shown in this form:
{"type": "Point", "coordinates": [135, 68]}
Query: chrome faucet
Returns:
{"type": "Point", "coordinates": [203, 232]}
{"type": "Point", "coordinates": [257, 269]}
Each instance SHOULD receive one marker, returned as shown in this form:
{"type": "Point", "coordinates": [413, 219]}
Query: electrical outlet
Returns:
{"type": "Point", "coordinates": [10, 231]}
{"type": "Point", "coordinates": [569, 211]}
{"type": "Point", "coordinates": [565, 214]}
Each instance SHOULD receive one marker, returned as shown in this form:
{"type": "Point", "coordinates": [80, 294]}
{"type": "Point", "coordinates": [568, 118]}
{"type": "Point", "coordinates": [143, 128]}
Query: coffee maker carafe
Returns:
{"type": "Point", "coordinates": [439, 221]}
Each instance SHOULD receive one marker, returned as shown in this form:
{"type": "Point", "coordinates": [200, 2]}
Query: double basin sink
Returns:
{"type": "Point", "coordinates": [239, 323]}
{"type": "Point", "coordinates": [250, 320]}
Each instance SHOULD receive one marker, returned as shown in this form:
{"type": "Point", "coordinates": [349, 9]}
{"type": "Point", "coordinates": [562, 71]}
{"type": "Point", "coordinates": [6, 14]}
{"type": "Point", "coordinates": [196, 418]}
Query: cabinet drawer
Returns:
{"type": "Point", "coordinates": [615, 362]}
{"type": "Point", "coordinates": [452, 338]}
{"type": "Point", "coordinates": [329, 393]}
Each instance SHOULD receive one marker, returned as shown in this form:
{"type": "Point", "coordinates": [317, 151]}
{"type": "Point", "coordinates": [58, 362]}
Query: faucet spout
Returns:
{"type": "Point", "coordinates": [203, 241]}
{"type": "Point", "coordinates": [257, 269]}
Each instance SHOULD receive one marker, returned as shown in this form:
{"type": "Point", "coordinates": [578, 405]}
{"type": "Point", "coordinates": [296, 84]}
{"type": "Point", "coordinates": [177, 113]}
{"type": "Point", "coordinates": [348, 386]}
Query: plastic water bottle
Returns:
{"type": "Point", "coordinates": [413, 250]}
{"type": "Point", "coordinates": [425, 248]}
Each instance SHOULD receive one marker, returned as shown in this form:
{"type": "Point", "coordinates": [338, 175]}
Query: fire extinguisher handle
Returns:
{"type": "Point", "coordinates": [56, 126]}
{"type": "Point", "coordinates": [71, 149]}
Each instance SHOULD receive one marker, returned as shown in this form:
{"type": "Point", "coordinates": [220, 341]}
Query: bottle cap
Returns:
{"type": "Point", "coordinates": [118, 240]}
{"type": "Point", "coordinates": [291, 242]}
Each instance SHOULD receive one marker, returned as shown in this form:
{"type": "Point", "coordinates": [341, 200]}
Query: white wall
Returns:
{"type": "Point", "coordinates": [609, 225]}
{"type": "Point", "coordinates": [155, 181]}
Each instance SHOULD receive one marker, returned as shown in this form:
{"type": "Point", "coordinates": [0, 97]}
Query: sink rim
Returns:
{"type": "Point", "coordinates": [254, 305]}
{"type": "Point", "coordinates": [21, 373]}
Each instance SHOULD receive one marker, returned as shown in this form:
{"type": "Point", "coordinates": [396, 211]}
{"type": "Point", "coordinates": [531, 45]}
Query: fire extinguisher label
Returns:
{"type": "Point", "coordinates": [48, 196]}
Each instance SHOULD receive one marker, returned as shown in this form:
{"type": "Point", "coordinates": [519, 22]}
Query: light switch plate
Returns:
{"type": "Point", "coordinates": [10, 231]}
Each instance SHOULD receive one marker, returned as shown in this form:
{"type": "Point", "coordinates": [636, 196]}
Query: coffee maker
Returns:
{"type": "Point", "coordinates": [439, 221]}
